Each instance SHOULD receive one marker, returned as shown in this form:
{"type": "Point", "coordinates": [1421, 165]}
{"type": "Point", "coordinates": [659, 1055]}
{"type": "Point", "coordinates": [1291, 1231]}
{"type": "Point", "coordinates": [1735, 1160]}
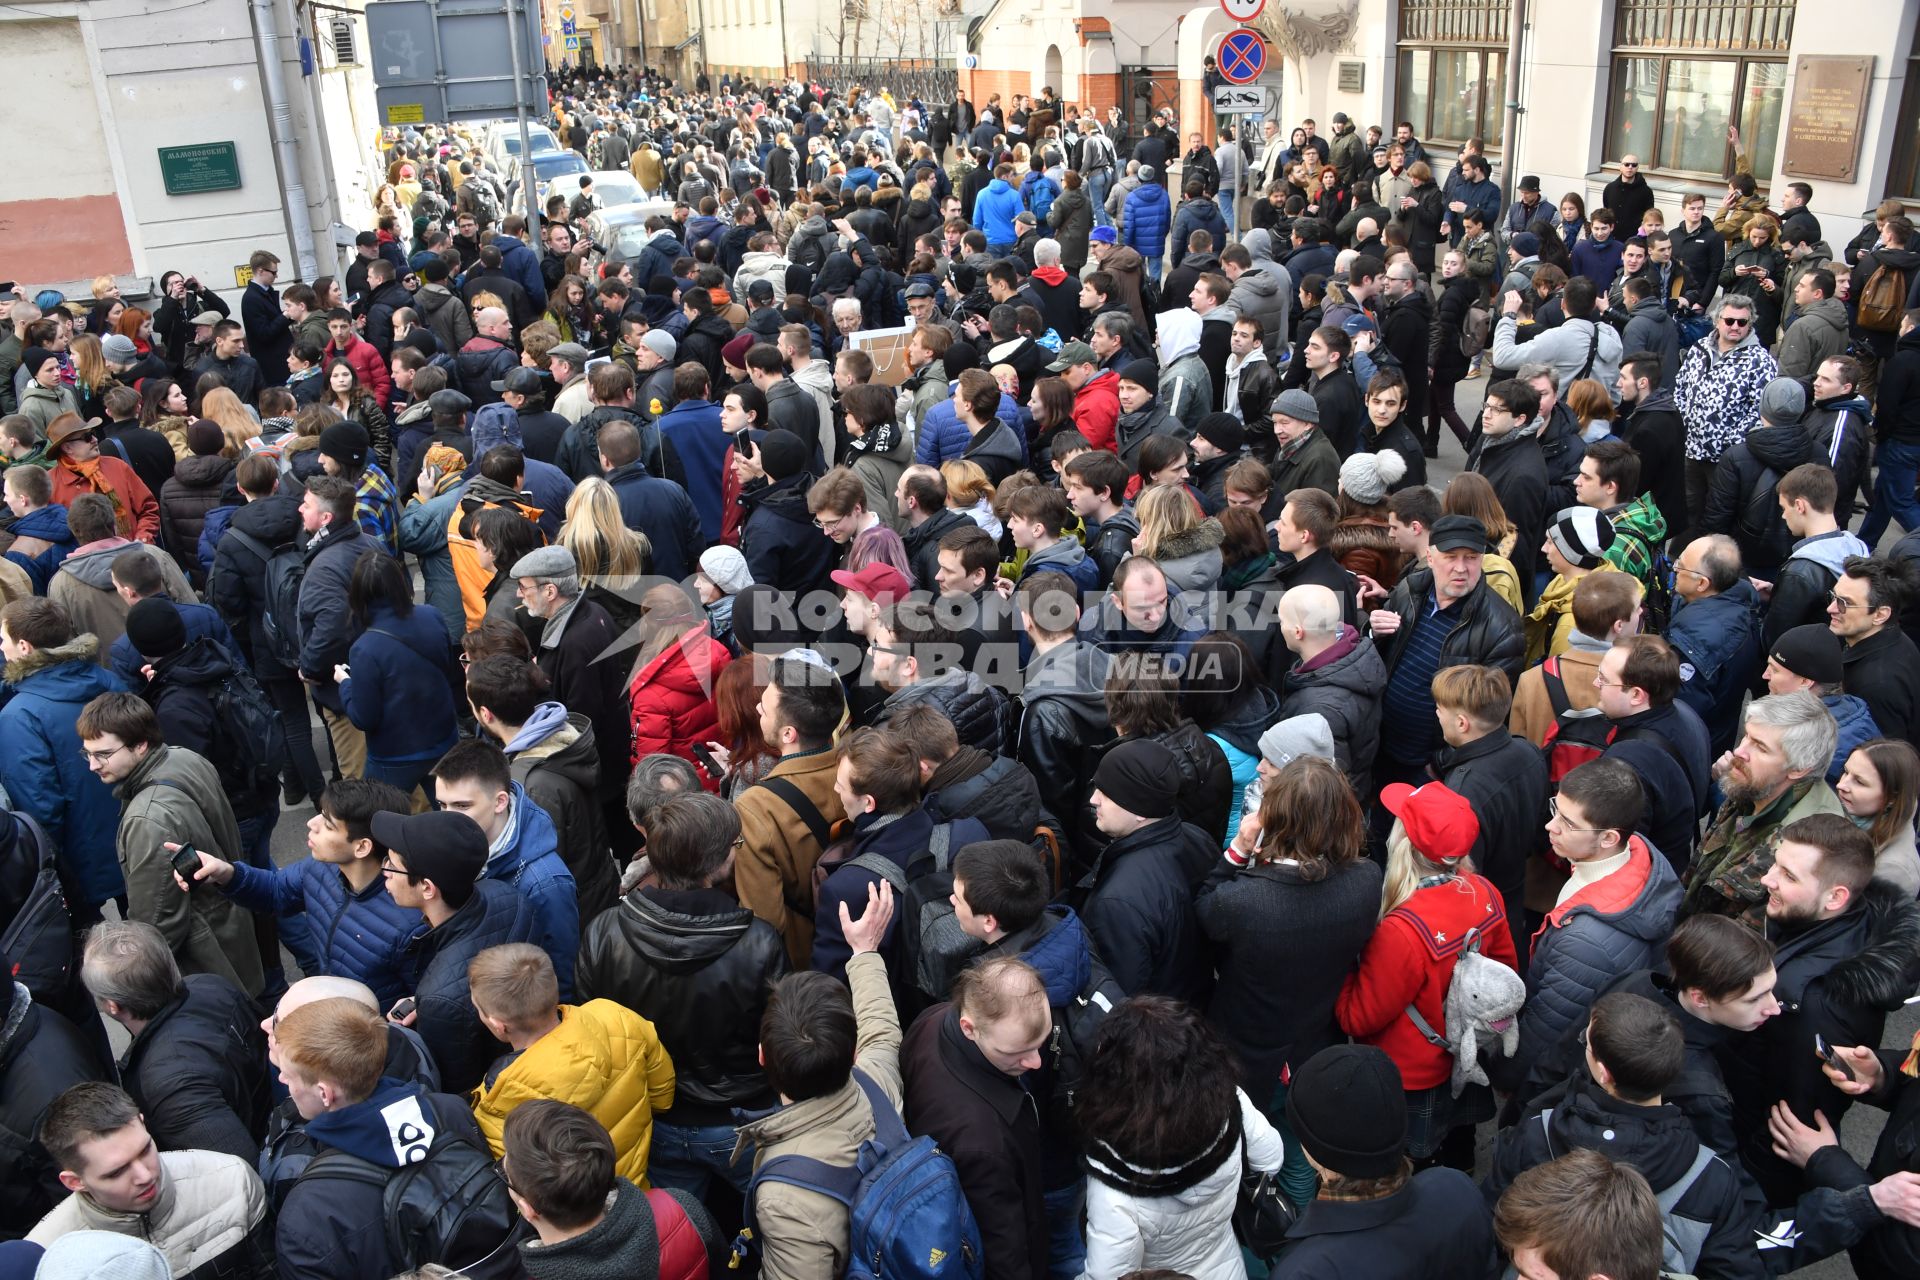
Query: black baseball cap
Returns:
{"type": "Point", "coordinates": [447, 848]}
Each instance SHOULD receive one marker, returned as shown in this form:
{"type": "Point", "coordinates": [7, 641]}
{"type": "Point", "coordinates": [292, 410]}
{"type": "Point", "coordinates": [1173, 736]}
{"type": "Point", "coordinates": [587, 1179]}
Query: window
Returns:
{"type": "Point", "coordinates": [1453, 70]}
{"type": "Point", "coordinates": [1903, 179]}
{"type": "Point", "coordinates": [1683, 70]}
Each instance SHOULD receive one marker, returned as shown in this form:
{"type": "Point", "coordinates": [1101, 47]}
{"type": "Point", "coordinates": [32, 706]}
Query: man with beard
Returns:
{"type": "Point", "coordinates": [1774, 777]}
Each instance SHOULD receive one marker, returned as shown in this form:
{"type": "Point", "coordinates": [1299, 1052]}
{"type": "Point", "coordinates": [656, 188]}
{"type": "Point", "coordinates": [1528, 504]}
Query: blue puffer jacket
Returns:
{"type": "Point", "coordinates": [423, 532]}
{"type": "Point", "coordinates": [994, 210]}
{"type": "Point", "coordinates": [45, 772]}
{"type": "Point", "coordinates": [1856, 726]}
{"type": "Point", "coordinates": [366, 936]}
{"type": "Point", "coordinates": [1614, 926]}
{"type": "Point", "coordinates": [1148, 215]}
{"type": "Point", "coordinates": [518, 261]}
{"type": "Point", "coordinates": [401, 693]}
{"type": "Point", "coordinates": [1718, 639]}
{"type": "Point", "coordinates": [943, 437]}
{"type": "Point", "coordinates": [49, 524]}
{"type": "Point", "coordinates": [1196, 215]}
{"type": "Point", "coordinates": [530, 862]}
{"type": "Point", "coordinates": [462, 1047]}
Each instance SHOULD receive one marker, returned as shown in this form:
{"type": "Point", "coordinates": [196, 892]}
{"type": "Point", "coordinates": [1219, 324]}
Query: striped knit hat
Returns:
{"type": "Point", "coordinates": [1582, 535]}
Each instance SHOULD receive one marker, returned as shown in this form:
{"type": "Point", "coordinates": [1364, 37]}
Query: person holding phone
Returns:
{"type": "Point", "coordinates": [1755, 268]}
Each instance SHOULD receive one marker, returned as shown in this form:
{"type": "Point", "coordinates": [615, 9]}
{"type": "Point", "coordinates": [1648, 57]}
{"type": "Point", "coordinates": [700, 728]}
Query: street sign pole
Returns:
{"type": "Point", "coordinates": [529, 176]}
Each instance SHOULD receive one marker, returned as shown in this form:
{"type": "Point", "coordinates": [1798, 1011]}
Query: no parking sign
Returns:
{"type": "Point", "coordinates": [1243, 56]}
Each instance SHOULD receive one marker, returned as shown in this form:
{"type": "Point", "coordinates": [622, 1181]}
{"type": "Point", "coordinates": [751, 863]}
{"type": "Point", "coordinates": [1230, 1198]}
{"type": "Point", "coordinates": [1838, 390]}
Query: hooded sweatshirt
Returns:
{"type": "Point", "coordinates": [526, 855]}
{"type": "Point", "coordinates": [1186, 388]}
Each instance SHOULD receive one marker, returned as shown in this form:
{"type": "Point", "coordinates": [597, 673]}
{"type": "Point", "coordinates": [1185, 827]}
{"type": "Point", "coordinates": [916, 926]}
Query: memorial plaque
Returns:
{"type": "Point", "coordinates": [207, 166]}
{"type": "Point", "coordinates": [1825, 118]}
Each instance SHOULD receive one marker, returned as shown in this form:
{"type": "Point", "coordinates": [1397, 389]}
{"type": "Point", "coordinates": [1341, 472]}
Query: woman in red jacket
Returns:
{"type": "Point", "coordinates": [1429, 903]}
{"type": "Point", "coordinates": [672, 692]}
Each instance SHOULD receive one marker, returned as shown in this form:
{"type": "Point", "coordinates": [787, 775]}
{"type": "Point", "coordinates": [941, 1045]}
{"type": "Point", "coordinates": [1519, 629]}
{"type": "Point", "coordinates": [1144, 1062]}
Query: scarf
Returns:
{"type": "Point", "coordinates": [90, 473]}
{"type": "Point", "coordinates": [879, 440]}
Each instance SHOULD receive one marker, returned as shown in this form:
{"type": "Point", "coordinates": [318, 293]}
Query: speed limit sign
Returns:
{"type": "Point", "coordinates": [1243, 10]}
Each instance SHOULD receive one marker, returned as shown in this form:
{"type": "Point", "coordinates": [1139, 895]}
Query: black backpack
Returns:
{"type": "Point", "coordinates": [450, 1206]}
{"type": "Point", "coordinates": [253, 737]}
{"type": "Point", "coordinates": [286, 569]}
{"type": "Point", "coordinates": [1074, 1027]}
{"type": "Point", "coordinates": [38, 936]}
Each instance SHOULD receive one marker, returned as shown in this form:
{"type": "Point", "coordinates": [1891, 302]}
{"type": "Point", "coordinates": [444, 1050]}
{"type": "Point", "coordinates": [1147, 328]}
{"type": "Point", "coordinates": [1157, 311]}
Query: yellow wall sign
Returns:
{"type": "Point", "coordinates": [407, 113]}
{"type": "Point", "coordinates": [242, 276]}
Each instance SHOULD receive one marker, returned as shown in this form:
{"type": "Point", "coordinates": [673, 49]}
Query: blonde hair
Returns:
{"type": "Point", "coordinates": [515, 983]}
{"type": "Point", "coordinates": [967, 483]}
{"type": "Point", "coordinates": [666, 614]}
{"type": "Point", "coordinates": [90, 363]}
{"type": "Point", "coordinates": [1164, 510]}
{"type": "Point", "coordinates": [602, 545]}
{"type": "Point", "coordinates": [102, 286]}
{"type": "Point", "coordinates": [1407, 867]}
{"type": "Point", "coordinates": [222, 406]}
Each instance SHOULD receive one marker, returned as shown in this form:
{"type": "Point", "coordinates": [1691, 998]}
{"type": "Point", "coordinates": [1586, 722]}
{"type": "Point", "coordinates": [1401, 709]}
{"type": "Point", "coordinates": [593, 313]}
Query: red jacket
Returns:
{"type": "Point", "coordinates": [673, 698]}
{"type": "Point", "coordinates": [1410, 960]}
{"type": "Point", "coordinates": [368, 367]}
{"type": "Point", "coordinates": [141, 509]}
{"type": "Point", "coordinates": [1096, 410]}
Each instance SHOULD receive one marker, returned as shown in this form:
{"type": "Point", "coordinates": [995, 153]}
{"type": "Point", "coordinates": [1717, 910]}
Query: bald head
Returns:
{"type": "Point", "coordinates": [1311, 610]}
{"type": "Point", "coordinates": [1707, 567]}
{"type": "Point", "coordinates": [1366, 230]}
{"type": "Point", "coordinates": [309, 991]}
{"type": "Point", "coordinates": [493, 322]}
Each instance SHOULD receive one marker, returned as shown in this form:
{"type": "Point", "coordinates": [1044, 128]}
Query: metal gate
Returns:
{"type": "Point", "coordinates": [1144, 90]}
{"type": "Point", "coordinates": [928, 79]}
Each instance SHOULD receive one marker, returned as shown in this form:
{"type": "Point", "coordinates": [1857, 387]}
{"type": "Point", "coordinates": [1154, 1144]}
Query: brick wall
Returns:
{"type": "Point", "coordinates": [982, 85]}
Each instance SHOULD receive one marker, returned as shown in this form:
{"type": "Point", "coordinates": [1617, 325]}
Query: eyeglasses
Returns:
{"type": "Point", "coordinates": [1839, 601]}
{"type": "Point", "coordinates": [101, 757]}
{"type": "Point", "coordinates": [1735, 322]}
{"type": "Point", "coordinates": [388, 869]}
{"type": "Point", "coordinates": [1554, 819]}
{"type": "Point", "coordinates": [1601, 682]}
{"type": "Point", "coordinates": [1680, 569]}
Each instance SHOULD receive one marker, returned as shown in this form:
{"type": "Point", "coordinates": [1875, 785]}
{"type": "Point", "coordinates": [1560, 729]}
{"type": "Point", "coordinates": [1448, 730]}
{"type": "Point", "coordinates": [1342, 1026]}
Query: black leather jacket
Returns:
{"type": "Point", "coordinates": [697, 965]}
{"type": "Point", "coordinates": [1489, 632]}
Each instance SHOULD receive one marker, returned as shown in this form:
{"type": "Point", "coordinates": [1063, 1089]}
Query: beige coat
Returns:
{"type": "Point", "coordinates": [773, 872]}
{"type": "Point", "coordinates": [209, 1203]}
{"type": "Point", "coordinates": [803, 1234]}
{"type": "Point", "coordinates": [84, 588]}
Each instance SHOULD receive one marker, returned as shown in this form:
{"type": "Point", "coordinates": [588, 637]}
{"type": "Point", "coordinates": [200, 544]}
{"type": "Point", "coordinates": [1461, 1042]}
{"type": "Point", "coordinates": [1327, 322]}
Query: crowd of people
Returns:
{"type": "Point", "coordinates": [922, 717]}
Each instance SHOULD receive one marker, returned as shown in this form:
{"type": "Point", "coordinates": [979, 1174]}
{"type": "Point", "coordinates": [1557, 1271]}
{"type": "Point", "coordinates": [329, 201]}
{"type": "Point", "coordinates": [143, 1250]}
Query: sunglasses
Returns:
{"type": "Point", "coordinates": [1734, 323]}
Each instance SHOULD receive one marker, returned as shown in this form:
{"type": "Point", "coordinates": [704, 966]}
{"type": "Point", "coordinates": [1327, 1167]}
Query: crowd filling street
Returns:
{"type": "Point", "coordinates": [883, 690]}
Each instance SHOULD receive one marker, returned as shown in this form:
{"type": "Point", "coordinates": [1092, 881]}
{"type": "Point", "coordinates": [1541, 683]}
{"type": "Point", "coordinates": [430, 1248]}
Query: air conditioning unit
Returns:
{"type": "Point", "coordinates": [341, 31]}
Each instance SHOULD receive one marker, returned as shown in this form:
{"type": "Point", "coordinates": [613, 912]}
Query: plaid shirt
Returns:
{"type": "Point", "coordinates": [1638, 528]}
{"type": "Point", "coordinates": [377, 508]}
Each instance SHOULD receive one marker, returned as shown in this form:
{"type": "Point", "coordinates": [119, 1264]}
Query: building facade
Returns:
{"type": "Point", "coordinates": [166, 158]}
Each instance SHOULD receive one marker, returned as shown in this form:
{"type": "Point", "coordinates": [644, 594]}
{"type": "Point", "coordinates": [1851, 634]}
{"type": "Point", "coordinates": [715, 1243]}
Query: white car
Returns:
{"type": "Point", "coordinates": [503, 141]}
{"type": "Point", "coordinates": [615, 187]}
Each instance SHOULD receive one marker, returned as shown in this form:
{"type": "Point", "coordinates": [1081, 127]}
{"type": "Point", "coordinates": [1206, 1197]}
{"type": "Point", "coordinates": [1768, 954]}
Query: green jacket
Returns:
{"type": "Point", "coordinates": [1638, 528]}
{"type": "Point", "coordinates": [1738, 849]}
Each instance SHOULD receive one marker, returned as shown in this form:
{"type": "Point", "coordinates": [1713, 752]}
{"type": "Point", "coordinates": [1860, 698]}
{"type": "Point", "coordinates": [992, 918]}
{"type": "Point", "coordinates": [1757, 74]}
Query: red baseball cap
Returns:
{"type": "Point", "coordinates": [880, 583]}
{"type": "Point", "coordinates": [1439, 821]}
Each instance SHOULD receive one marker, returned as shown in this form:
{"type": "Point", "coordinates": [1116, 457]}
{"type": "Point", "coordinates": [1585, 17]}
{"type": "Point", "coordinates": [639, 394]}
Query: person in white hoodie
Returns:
{"type": "Point", "coordinates": [1186, 388]}
{"type": "Point", "coordinates": [1160, 1077]}
{"type": "Point", "coordinates": [815, 377]}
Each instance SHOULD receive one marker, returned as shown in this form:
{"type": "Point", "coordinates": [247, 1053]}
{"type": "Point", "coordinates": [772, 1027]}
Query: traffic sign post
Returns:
{"type": "Point", "coordinates": [1242, 10]}
{"type": "Point", "coordinates": [1243, 56]}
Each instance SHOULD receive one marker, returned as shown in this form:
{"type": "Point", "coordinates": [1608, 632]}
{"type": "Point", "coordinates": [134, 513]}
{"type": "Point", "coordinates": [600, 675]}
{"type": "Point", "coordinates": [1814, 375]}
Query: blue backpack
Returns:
{"type": "Point", "coordinates": [907, 1217]}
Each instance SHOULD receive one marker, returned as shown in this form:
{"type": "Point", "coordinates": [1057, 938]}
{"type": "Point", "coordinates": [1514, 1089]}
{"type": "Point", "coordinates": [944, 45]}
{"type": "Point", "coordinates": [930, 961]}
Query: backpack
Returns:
{"type": "Point", "coordinates": [1657, 597]}
{"type": "Point", "coordinates": [932, 946]}
{"type": "Point", "coordinates": [252, 733]}
{"type": "Point", "coordinates": [1576, 737]}
{"type": "Point", "coordinates": [1678, 1255]}
{"type": "Point", "coordinates": [38, 940]}
{"type": "Point", "coordinates": [1883, 300]}
{"type": "Point", "coordinates": [450, 1206]}
{"type": "Point", "coordinates": [286, 569]}
{"type": "Point", "coordinates": [1476, 328]}
{"type": "Point", "coordinates": [907, 1218]}
{"type": "Point", "coordinates": [1075, 1025]}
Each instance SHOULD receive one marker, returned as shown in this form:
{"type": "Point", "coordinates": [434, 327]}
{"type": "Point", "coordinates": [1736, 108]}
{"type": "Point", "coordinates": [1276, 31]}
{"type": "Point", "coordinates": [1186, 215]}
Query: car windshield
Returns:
{"type": "Point", "coordinates": [629, 238]}
{"type": "Point", "coordinates": [543, 140]}
{"type": "Point", "coordinates": [553, 162]}
{"type": "Point", "coordinates": [616, 190]}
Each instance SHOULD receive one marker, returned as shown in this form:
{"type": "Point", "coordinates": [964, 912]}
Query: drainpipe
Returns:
{"type": "Point", "coordinates": [1510, 129]}
{"type": "Point", "coordinates": [286, 146]}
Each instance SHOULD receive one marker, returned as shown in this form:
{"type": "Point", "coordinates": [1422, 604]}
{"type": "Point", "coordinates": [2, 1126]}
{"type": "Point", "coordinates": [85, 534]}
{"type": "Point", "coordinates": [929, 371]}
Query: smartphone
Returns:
{"type": "Point", "coordinates": [1832, 1059]}
{"type": "Point", "coordinates": [186, 861]}
{"type": "Point", "coordinates": [705, 757]}
{"type": "Point", "coordinates": [402, 1007]}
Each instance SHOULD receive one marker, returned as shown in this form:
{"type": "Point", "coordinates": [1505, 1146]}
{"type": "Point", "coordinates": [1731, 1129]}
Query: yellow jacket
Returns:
{"type": "Point", "coordinates": [604, 1059]}
{"type": "Point", "coordinates": [1550, 625]}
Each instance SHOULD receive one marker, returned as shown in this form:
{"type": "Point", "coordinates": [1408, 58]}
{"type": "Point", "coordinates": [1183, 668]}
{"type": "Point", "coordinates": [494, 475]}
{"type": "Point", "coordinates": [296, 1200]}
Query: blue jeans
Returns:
{"type": "Point", "coordinates": [1098, 184]}
{"type": "Point", "coordinates": [1153, 268]}
{"type": "Point", "coordinates": [1066, 1250]}
{"type": "Point", "coordinates": [1002, 250]}
{"type": "Point", "coordinates": [1893, 497]}
{"type": "Point", "coordinates": [1226, 203]}
{"type": "Point", "coordinates": [687, 1157]}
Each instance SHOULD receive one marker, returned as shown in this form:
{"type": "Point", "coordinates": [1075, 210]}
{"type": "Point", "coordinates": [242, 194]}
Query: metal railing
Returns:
{"type": "Point", "coordinates": [928, 79]}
